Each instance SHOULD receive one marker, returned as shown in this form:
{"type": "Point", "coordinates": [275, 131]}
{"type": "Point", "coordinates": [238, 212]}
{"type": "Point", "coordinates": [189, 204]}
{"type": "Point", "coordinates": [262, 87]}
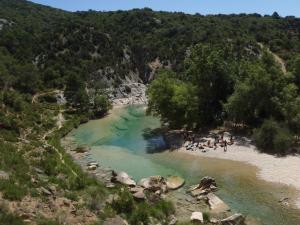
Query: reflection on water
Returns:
{"type": "Point", "coordinates": [124, 139]}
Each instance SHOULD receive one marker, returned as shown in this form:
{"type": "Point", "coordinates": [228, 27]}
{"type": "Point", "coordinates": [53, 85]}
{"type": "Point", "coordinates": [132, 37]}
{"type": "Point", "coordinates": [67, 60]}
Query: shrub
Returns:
{"type": "Point", "coordinates": [12, 191]}
{"type": "Point", "coordinates": [272, 138]}
{"type": "Point", "coordinates": [140, 215]}
{"type": "Point", "coordinates": [8, 218]}
{"type": "Point", "coordinates": [123, 204]}
{"type": "Point", "coordinates": [206, 217]}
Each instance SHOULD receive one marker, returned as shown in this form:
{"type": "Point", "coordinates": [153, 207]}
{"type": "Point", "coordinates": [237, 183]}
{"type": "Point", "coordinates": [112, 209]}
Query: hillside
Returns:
{"type": "Point", "coordinates": [90, 57]}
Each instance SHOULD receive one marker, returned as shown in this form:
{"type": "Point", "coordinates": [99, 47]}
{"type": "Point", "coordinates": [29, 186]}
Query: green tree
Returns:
{"type": "Point", "coordinates": [174, 100]}
{"type": "Point", "coordinates": [207, 68]}
{"type": "Point", "coordinates": [101, 105]}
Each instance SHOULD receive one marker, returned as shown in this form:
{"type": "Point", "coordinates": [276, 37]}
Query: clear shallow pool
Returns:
{"type": "Point", "coordinates": [124, 141]}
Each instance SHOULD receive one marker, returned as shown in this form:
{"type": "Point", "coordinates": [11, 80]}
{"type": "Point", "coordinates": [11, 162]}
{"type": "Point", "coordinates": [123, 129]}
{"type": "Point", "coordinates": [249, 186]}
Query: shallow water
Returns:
{"type": "Point", "coordinates": [123, 141]}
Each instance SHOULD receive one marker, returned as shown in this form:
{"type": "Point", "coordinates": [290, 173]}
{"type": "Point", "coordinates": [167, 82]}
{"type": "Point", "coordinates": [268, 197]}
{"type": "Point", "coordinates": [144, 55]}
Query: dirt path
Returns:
{"type": "Point", "coordinates": [37, 95]}
{"type": "Point", "coordinates": [279, 60]}
{"type": "Point", "coordinates": [60, 121]}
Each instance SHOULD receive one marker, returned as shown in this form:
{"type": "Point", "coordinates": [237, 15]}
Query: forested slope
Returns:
{"type": "Point", "coordinates": [45, 50]}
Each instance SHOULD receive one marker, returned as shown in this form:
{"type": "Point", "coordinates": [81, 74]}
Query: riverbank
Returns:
{"type": "Point", "coordinates": [283, 170]}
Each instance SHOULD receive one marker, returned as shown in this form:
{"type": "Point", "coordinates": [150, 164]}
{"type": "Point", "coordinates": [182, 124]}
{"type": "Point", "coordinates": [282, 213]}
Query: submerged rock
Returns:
{"type": "Point", "coordinates": [236, 219]}
{"type": "Point", "coordinates": [174, 182]}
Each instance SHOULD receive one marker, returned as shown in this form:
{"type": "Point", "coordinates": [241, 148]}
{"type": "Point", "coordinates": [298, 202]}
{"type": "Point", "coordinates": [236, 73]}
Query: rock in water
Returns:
{"type": "Point", "coordinates": [154, 183]}
{"type": "Point", "coordinates": [236, 219]}
{"type": "Point", "coordinates": [207, 182]}
{"type": "Point", "coordinates": [216, 204]}
{"type": "Point", "coordinates": [123, 178]}
{"type": "Point", "coordinates": [197, 217]}
{"type": "Point", "coordinates": [174, 182]}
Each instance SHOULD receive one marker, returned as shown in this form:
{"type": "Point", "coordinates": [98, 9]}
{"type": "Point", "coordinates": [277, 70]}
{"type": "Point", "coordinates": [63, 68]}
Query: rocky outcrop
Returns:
{"type": "Point", "coordinates": [138, 193]}
{"type": "Point", "coordinates": [236, 219]}
{"type": "Point", "coordinates": [174, 182]}
{"type": "Point", "coordinates": [123, 178]}
{"type": "Point", "coordinates": [216, 204]}
{"type": "Point", "coordinates": [197, 217]}
{"type": "Point", "coordinates": [206, 185]}
{"type": "Point", "coordinates": [154, 183]}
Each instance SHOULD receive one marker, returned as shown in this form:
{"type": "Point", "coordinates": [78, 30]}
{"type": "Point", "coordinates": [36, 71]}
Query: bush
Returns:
{"type": "Point", "coordinates": [123, 204]}
{"type": "Point", "coordinates": [272, 138]}
{"type": "Point", "coordinates": [12, 191]}
{"type": "Point", "coordinates": [140, 215]}
{"type": "Point", "coordinates": [7, 218]}
{"type": "Point", "coordinates": [206, 217]}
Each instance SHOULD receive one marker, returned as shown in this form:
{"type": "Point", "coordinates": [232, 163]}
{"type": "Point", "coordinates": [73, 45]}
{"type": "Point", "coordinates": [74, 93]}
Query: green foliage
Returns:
{"type": "Point", "coordinates": [174, 100]}
{"type": "Point", "coordinates": [8, 218]}
{"type": "Point", "coordinates": [124, 203]}
{"type": "Point", "coordinates": [101, 105]}
{"type": "Point", "coordinates": [208, 68]}
{"type": "Point", "coordinates": [206, 216]}
{"type": "Point", "coordinates": [12, 191]}
{"type": "Point", "coordinates": [273, 138]}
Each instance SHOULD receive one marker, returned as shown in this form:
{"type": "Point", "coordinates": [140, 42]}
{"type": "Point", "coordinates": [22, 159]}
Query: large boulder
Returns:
{"type": "Point", "coordinates": [154, 183]}
{"type": "Point", "coordinates": [216, 204]}
{"type": "Point", "coordinates": [174, 182]}
{"type": "Point", "coordinates": [138, 193]}
{"type": "Point", "coordinates": [206, 185]}
{"type": "Point", "coordinates": [197, 217]}
{"type": "Point", "coordinates": [123, 178]}
{"type": "Point", "coordinates": [236, 219]}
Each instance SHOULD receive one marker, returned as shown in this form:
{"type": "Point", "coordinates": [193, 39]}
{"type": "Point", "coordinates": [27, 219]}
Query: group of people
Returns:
{"type": "Point", "coordinates": [223, 143]}
{"type": "Point", "coordinates": [191, 144]}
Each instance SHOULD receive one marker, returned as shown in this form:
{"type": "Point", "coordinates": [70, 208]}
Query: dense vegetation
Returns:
{"type": "Point", "coordinates": [217, 71]}
{"type": "Point", "coordinates": [217, 85]}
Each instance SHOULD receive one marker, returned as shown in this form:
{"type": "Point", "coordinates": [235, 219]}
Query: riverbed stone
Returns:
{"type": "Point", "coordinates": [236, 219]}
{"type": "Point", "coordinates": [123, 178]}
{"type": "Point", "coordinates": [115, 221]}
{"type": "Point", "coordinates": [216, 204]}
{"type": "Point", "coordinates": [154, 183]}
{"type": "Point", "coordinates": [197, 217]}
{"type": "Point", "coordinates": [174, 182]}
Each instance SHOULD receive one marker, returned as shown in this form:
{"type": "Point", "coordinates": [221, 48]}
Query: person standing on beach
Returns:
{"type": "Point", "coordinates": [225, 146]}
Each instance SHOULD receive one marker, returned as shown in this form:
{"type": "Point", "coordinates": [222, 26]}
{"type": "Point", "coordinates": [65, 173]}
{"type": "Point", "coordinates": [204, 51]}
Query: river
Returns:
{"type": "Point", "coordinates": [125, 141]}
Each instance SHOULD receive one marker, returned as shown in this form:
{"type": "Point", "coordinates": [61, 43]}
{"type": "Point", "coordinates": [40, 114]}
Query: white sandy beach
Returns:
{"type": "Point", "coordinates": [284, 170]}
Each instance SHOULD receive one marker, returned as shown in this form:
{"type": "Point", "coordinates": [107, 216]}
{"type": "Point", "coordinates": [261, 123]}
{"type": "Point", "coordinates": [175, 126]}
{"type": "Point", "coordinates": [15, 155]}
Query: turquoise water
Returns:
{"type": "Point", "coordinates": [124, 141]}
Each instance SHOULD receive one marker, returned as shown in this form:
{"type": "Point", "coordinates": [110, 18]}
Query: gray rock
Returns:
{"type": "Point", "coordinates": [236, 219]}
{"type": "Point", "coordinates": [154, 183]}
{"type": "Point", "coordinates": [174, 182]}
{"type": "Point", "coordinates": [115, 221]}
{"type": "Point", "coordinates": [197, 217]}
{"type": "Point", "coordinates": [45, 191]}
{"type": "Point", "coordinates": [4, 175]}
{"type": "Point", "coordinates": [139, 195]}
{"type": "Point", "coordinates": [173, 220]}
{"type": "Point", "coordinates": [216, 204]}
{"type": "Point", "coordinates": [123, 178]}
